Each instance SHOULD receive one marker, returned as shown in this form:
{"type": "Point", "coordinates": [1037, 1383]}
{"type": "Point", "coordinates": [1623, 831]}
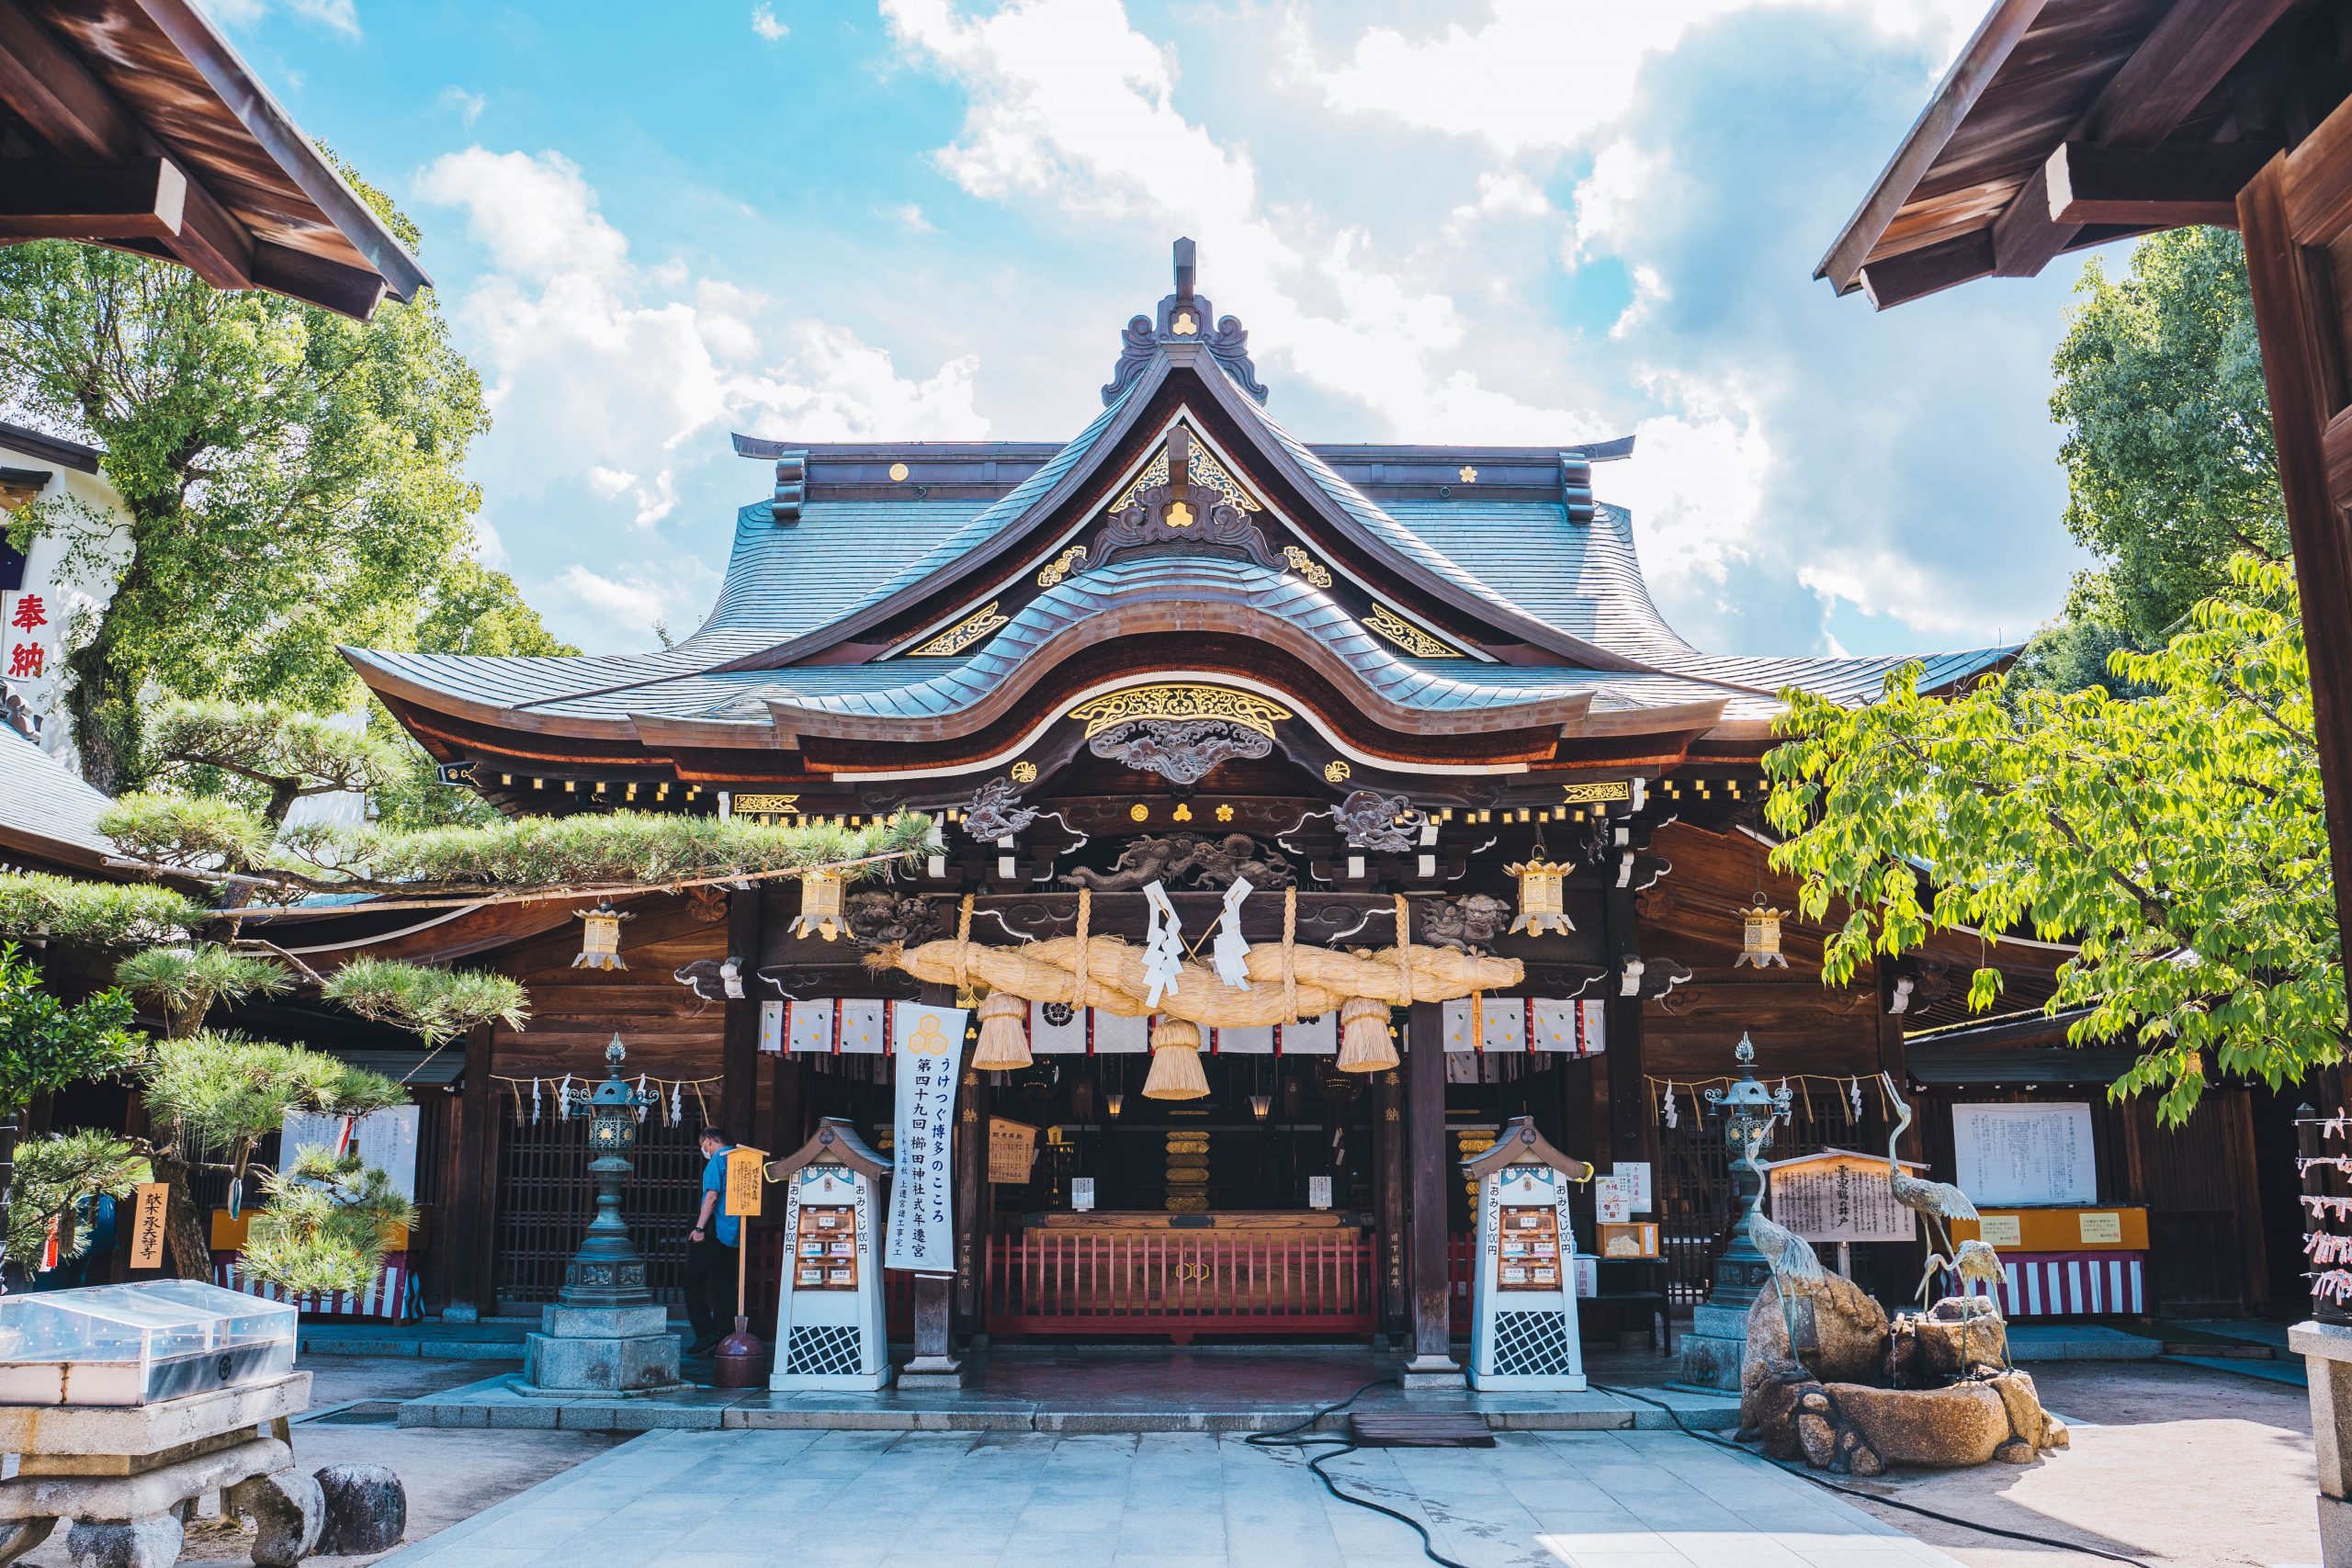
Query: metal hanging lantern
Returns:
{"type": "Point", "coordinates": [600, 936]}
{"type": "Point", "coordinates": [821, 906]}
{"type": "Point", "coordinates": [1261, 1105]}
{"type": "Point", "coordinates": [1761, 938]}
{"type": "Point", "coordinates": [1542, 908]}
{"type": "Point", "coordinates": [1114, 1102]}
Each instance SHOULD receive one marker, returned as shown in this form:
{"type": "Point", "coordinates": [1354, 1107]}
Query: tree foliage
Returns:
{"type": "Point", "coordinates": [37, 907]}
{"type": "Point", "coordinates": [221, 1094]}
{"type": "Point", "coordinates": [326, 1223]}
{"type": "Point", "coordinates": [184, 983]}
{"type": "Point", "coordinates": [54, 1177]}
{"type": "Point", "coordinates": [285, 753]}
{"type": "Point", "coordinates": [46, 1044]}
{"type": "Point", "coordinates": [436, 1005]}
{"type": "Point", "coordinates": [293, 479]}
{"type": "Point", "coordinates": [2179, 838]}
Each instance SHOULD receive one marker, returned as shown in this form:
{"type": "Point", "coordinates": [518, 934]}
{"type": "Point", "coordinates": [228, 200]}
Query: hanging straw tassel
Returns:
{"type": "Point", "coordinates": [1364, 1045]}
{"type": "Point", "coordinates": [1175, 1061]}
{"type": "Point", "coordinates": [1005, 1039]}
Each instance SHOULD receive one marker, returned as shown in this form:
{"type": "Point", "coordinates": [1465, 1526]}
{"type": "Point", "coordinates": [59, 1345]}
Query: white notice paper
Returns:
{"type": "Point", "coordinates": [385, 1139]}
{"type": "Point", "coordinates": [930, 1051]}
{"type": "Point", "coordinates": [2025, 1154]}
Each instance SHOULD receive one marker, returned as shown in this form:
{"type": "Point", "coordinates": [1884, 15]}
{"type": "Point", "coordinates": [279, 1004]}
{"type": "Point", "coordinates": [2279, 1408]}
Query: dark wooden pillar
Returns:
{"type": "Point", "coordinates": [738, 1048]}
{"type": "Point", "coordinates": [2290, 216]}
{"type": "Point", "coordinates": [1388, 1187]}
{"type": "Point", "coordinates": [470, 1218]}
{"type": "Point", "coordinates": [1432, 1364]}
{"type": "Point", "coordinates": [1629, 1112]}
{"type": "Point", "coordinates": [972, 1215]}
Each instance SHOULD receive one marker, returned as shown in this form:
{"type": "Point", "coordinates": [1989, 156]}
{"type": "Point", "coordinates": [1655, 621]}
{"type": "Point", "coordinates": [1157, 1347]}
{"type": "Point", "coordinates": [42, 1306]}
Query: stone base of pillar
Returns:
{"type": "Point", "coordinates": [1434, 1371]}
{"type": "Point", "coordinates": [2326, 1350]}
{"type": "Point", "coordinates": [930, 1372]}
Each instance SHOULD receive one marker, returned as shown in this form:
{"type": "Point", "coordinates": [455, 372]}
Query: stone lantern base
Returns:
{"type": "Point", "coordinates": [602, 1351]}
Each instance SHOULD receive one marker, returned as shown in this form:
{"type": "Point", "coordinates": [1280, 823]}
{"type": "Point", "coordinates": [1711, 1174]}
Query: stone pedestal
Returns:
{"type": "Point", "coordinates": [2326, 1350]}
{"type": "Point", "coordinates": [600, 1351]}
{"type": "Point", "coordinates": [123, 1476]}
{"type": "Point", "coordinates": [1434, 1371]}
{"type": "Point", "coordinates": [1712, 1348]}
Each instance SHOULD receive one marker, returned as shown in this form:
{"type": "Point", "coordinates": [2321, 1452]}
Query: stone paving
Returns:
{"type": "Point", "coordinates": [844, 1499]}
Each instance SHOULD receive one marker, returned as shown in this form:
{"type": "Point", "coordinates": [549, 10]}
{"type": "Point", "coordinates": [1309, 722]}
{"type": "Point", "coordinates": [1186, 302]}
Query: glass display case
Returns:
{"type": "Point", "coordinates": [138, 1343]}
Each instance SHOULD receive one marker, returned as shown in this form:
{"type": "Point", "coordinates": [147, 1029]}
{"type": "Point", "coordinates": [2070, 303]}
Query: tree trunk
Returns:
{"type": "Point", "coordinates": [102, 697]}
{"type": "Point", "coordinates": [183, 1222]}
{"type": "Point", "coordinates": [9, 1121]}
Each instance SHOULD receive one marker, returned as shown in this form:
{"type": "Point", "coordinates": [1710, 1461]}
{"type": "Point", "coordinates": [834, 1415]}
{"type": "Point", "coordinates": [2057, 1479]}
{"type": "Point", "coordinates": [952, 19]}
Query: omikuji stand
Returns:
{"type": "Point", "coordinates": [1523, 1329]}
{"type": "Point", "coordinates": [829, 1332]}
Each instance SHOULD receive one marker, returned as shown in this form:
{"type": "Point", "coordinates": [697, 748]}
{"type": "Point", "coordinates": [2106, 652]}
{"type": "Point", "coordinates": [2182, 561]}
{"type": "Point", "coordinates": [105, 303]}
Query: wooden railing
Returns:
{"type": "Point", "coordinates": [1182, 1283]}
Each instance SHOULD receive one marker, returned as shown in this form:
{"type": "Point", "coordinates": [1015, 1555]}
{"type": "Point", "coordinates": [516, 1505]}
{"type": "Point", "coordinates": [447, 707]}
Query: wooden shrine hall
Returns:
{"type": "Point", "coordinates": [1417, 698]}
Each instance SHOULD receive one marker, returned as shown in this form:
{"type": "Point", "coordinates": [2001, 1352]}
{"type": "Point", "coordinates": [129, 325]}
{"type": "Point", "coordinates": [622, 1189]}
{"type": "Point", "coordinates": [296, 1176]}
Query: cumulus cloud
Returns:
{"type": "Point", "coordinates": [766, 23]}
{"type": "Point", "coordinates": [612, 383]}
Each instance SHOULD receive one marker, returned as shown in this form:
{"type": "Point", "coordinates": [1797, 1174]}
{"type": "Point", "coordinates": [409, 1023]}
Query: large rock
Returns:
{"type": "Point", "coordinates": [287, 1510]}
{"type": "Point", "coordinates": [1959, 1336]}
{"type": "Point", "coordinates": [366, 1509]}
{"type": "Point", "coordinates": [1846, 1338]}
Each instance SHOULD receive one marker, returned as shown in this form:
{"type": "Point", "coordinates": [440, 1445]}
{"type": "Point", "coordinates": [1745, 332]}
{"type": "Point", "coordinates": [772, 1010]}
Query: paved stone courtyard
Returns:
{"type": "Point", "coordinates": [751, 1499]}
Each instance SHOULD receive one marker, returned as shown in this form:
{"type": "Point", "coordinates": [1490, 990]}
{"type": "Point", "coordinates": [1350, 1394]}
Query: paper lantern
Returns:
{"type": "Point", "coordinates": [1540, 910]}
{"type": "Point", "coordinates": [1175, 1061]}
{"type": "Point", "coordinates": [1761, 938]}
{"type": "Point", "coordinates": [1004, 1037]}
{"type": "Point", "coordinates": [1364, 1042]}
{"type": "Point", "coordinates": [600, 936]}
{"type": "Point", "coordinates": [820, 905]}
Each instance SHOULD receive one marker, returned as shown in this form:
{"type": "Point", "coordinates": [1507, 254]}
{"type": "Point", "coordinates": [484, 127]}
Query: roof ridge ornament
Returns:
{"type": "Point", "coordinates": [1182, 315]}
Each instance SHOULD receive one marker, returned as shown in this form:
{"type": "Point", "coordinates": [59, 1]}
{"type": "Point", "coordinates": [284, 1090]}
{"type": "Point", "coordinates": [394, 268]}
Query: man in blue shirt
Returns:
{"type": "Point", "coordinates": [711, 1247]}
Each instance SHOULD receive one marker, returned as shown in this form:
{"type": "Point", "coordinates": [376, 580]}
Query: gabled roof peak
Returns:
{"type": "Point", "coordinates": [1183, 318]}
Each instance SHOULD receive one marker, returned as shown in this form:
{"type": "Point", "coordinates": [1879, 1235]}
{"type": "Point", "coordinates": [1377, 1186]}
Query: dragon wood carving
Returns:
{"type": "Point", "coordinates": [1383, 823]}
{"type": "Point", "coordinates": [1189, 857]}
{"type": "Point", "coordinates": [995, 812]}
{"type": "Point", "coordinates": [1181, 751]}
{"type": "Point", "coordinates": [878, 916]}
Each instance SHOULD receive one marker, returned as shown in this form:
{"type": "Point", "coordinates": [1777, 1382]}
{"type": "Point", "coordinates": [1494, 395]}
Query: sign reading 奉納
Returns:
{"type": "Point", "coordinates": [928, 1053]}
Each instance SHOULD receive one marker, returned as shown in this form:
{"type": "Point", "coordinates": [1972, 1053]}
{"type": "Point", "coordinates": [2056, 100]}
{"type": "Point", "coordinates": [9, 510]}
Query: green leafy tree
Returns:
{"type": "Point", "coordinates": [2169, 468]}
{"type": "Point", "coordinates": [46, 1044]}
{"type": "Point", "coordinates": [284, 754]}
{"type": "Point", "coordinates": [2178, 838]}
{"type": "Point", "coordinates": [293, 479]}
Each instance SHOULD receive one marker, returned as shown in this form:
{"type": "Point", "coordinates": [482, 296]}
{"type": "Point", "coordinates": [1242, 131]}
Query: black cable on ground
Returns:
{"type": "Point", "coordinates": [1286, 1438]}
{"type": "Point", "coordinates": [1808, 1474]}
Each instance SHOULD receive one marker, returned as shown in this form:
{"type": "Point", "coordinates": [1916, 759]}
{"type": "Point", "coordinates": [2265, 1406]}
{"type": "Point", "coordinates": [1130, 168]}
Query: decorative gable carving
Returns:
{"type": "Point", "coordinates": [1187, 507]}
{"type": "Point", "coordinates": [1183, 318]}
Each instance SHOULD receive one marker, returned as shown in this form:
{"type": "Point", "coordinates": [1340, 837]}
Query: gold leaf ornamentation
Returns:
{"type": "Point", "coordinates": [971, 629]}
{"type": "Point", "coordinates": [1059, 567]}
{"type": "Point", "coordinates": [1407, 636]}
{"type": "Point", "coordinates": [1243, 708]}
{"type": "Point", "coordinates": [1337, 771]}
{"type": "Point", "coordinates": [1204, 469]}
{"type": "Point", "coordinates": [1588, 793]}
{"type": "Point", "coordinates": [1024, 772]}
{"type": "Point", "coordinates": [766, 805]}
{"type": "Point", "coordinates": [1307, 566]}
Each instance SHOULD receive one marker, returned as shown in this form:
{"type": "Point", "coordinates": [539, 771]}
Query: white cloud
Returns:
{"type": "Point", "coordinates": [342, 15]}
{"type": "Point", "coordinates": [764, 23]}
{"type": "Point", "coordinates": [467, 105]}
{"type": "Point", "coordinates": [1502, 193]}
{"type": "Point", "coordinates": [639, 595]}
{"type": "Point", "coordinates": [609, 381]}
{"type": "Point", "coordinates": [910, 217]}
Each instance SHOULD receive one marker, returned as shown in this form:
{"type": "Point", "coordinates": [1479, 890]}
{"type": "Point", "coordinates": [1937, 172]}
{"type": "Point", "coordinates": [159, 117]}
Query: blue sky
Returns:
{"type": "Point", "coordinates": [1519, 220]}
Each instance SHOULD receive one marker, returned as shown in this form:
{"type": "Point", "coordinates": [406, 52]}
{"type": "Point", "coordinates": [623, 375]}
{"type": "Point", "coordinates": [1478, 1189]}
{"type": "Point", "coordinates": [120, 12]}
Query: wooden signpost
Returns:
{"type": "Point", "coordinates": [740, 1201]}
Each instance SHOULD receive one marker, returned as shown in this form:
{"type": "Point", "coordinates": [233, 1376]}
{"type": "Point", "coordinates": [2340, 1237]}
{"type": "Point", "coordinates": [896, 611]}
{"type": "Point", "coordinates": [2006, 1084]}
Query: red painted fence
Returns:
{"type": "Point", "coordinates": [1182, 1283]}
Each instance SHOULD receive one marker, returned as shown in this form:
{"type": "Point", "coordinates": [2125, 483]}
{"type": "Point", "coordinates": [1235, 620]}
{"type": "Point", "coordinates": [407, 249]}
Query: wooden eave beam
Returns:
{"type": "Point", "coordinates": [1898, 280]}
{"type": "Point", "coordinates": [2168, 187]}
{"type": "Point", "coordinates": [2175, 69]}
{"type": "Point", "coordinates": [1980, 60]}
{"type": "Point", "coordinates": [144, 199]}
{"type": "Point", "coordinates": [48, 87]}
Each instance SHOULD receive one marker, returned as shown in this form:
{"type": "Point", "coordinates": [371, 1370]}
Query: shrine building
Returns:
{"type": "Point", "coordinates": [1415, 686]}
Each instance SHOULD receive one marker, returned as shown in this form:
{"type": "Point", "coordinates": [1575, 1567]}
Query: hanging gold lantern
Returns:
{"type": "Point", "coordinates": [600, 936]}
{"type": "Point", "coordinates": [1540, 907]}
{"type": "Point", "coordinates": [1175, 1061]}
{"type": "Point", "coordinates": [1761, 938]}
{"type": "Point", "coordinates": [1364, 1042]}
{"type": "Point", "coordinates": [1004, 1036]}
{"type": "Point", "coordinates": [820, 905]}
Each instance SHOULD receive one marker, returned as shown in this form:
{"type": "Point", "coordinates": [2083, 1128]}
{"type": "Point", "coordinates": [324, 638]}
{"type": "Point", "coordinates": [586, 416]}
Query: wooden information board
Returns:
{"type": "Point", "coordinates": [2025, 1154]}
{"type": "Point", "coordinates": [147, 1224]}
{"type": "Point", "coordinates": [744, 1182]}
{"type": "Point", "coordinates": [1838, 1195]}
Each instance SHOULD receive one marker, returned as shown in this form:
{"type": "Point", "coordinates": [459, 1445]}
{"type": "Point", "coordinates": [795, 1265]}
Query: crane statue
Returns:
{"type": "Point", "coordinates": [1939, 1200]}
{"type": "Point", "coordinates": [1976, 1263]}
{"type": "Point", "coordinates": [1794, 1267]}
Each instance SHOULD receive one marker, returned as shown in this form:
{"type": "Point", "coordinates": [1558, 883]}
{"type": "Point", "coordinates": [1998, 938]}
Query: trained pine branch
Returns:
{"type": "Point", "coordinates": [326, 1225]}
{"type": "Point", "coordinates": [36, 906]}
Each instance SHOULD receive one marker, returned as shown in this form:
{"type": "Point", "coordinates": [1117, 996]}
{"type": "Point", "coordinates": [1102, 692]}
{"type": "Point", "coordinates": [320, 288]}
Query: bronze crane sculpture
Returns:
{"type": "Point", "coordinates": [1939, 1200]}
{"type": "Point", "coordinates": [1794, 1267]}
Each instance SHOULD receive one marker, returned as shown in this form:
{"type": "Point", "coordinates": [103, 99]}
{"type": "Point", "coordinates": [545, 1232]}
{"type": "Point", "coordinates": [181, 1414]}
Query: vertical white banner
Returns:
{"type": "Point", "coordinates": [928, 1054]}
